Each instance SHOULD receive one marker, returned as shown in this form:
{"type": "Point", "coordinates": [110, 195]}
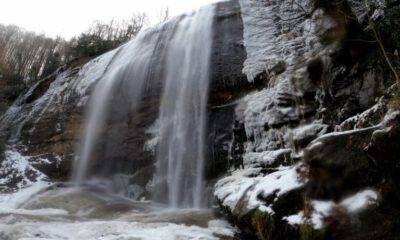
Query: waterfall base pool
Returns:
{"type": "Point", "coordinates": [60, 211]}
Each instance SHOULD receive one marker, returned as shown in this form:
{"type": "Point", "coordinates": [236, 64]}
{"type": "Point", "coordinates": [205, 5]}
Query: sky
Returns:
{"type": "Point", "coordinates": [68, 18]}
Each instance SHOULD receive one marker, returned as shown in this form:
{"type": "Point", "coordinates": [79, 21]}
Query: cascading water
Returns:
{"type": "Point", "coordinates": [126, 76]}
{"type": "Point", "coordinates": [178, 56]}
{"type": "Point", "coordinates": [182, 119]}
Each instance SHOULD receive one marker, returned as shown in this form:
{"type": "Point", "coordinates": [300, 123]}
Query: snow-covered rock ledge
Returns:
{"type": "Point", "coordinates": [242, 193]}
{"type": "Point", "coordinates": [321, 210]}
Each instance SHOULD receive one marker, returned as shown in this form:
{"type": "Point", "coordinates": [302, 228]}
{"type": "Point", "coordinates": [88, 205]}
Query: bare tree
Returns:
{"type": "Point", "coordinates": [26, 55]}
{"type": "Point", "coordinates": [104, 36]}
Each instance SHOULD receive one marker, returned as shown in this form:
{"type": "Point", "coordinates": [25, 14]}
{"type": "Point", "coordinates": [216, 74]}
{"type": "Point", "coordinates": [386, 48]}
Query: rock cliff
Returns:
{"type": "Point", "coordinates": [302, 145]}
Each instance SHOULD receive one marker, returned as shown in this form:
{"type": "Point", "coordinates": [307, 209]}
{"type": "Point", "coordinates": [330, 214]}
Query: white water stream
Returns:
{"type": "Point", "coordinates": [182, 119]}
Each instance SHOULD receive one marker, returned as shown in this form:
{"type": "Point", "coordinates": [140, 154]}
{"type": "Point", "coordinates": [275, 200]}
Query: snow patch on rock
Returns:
{"type": "Point", "coordinates": [364, 119]}
{"type": "Point", "coordinates": [16, 172]}
{"type": "Point", "coordinates": [236, 188]}
{"type": "Point", "coordinates": [266, 158]}
{"type": "Point", "coordinates": [323, 209]}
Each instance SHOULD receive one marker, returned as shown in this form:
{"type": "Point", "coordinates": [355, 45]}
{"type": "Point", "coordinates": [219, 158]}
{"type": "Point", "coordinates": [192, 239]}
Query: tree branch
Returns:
{"type": "Point", "coordinates": [385, 54]}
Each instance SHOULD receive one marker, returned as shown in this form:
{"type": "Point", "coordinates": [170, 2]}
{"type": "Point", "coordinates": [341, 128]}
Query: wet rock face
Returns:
{"type": "Point", "coordinates": [227, 84]}
{"type": "Point", "coordinates": [228, 52]}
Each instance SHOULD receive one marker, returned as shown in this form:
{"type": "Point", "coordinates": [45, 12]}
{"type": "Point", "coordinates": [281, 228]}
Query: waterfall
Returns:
{"type": "Point", "coordinates": [116, 96]}
{"type": "Point", "coordinates": [177, 55]}
{"type": "Point", "coordinates": [183, 111]}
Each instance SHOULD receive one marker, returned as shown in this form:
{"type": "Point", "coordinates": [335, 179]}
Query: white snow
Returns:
{"type": "Point", "coordinates": [247, 172]}
{"type": "Point", "coordinates": [352, 204]}
{"type": "Point", "coordinates": [322, 209]}
{"type": "Point", "coordinates": [307, 131]}
{"type": "Point", "coordinates": [266, 209]}
{"type": "Point", "coordinates": [264, 158]}
{"type": "Point", "coordinates": [296, 219]}
{"type": "Point", "coordinates": [230, 190]}
{"type": "Point", "coordinates": [233, 189]}
{"type": "Point", "coordinates": [360, 200]}
{"type": "Point", "coordinates": [278, 183]}
{"type": "Point", "coordinates": [16, 168]}
{"type": "Point", "coordinates": [319, 142]}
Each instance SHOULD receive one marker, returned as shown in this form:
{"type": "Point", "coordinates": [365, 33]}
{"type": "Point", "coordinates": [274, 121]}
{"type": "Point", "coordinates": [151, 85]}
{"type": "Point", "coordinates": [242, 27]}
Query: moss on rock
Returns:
{"type": "Point", "coordinates": [264, 224]}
